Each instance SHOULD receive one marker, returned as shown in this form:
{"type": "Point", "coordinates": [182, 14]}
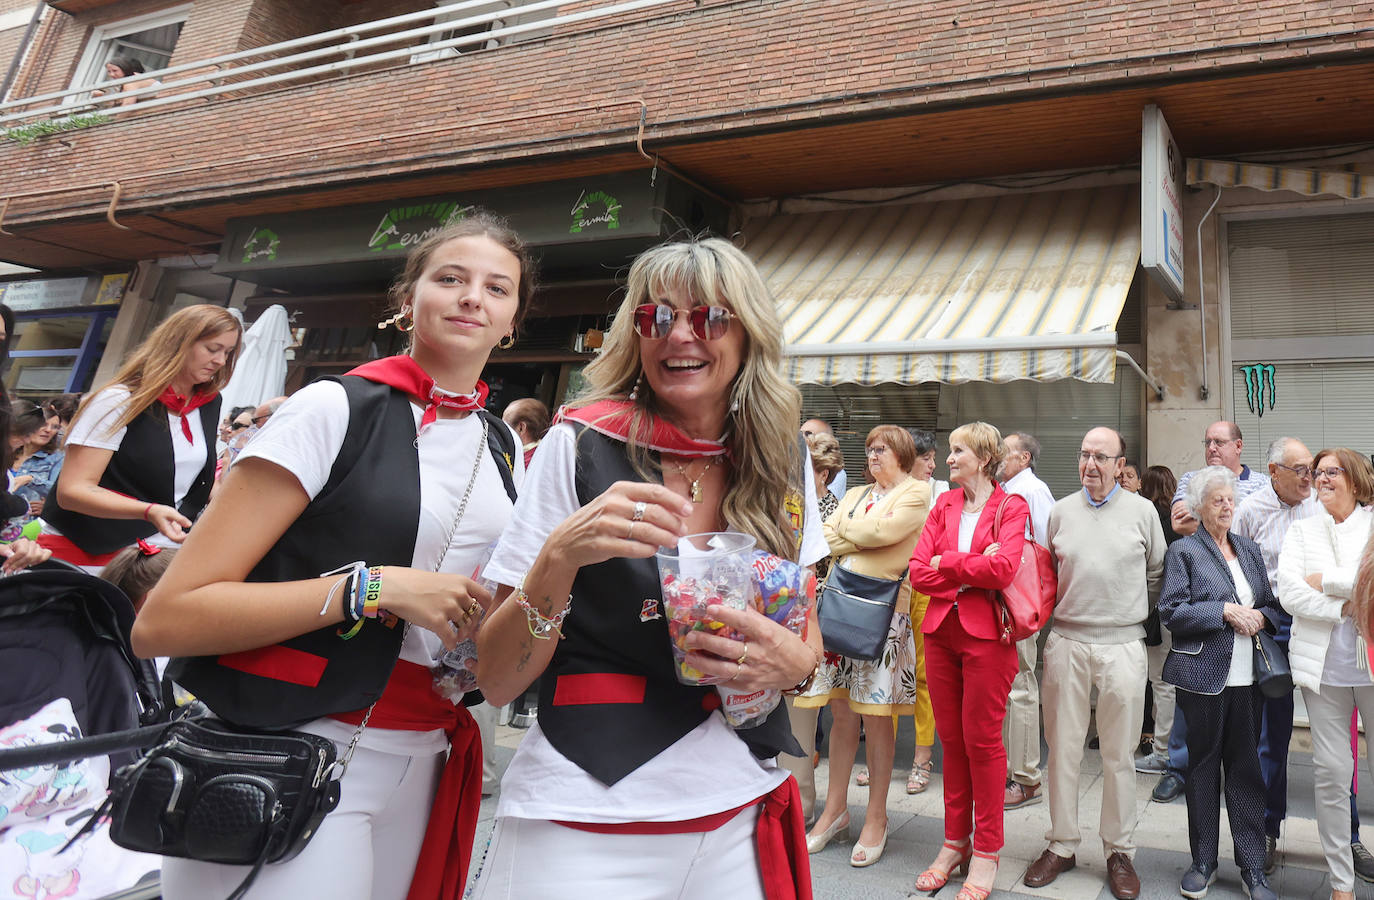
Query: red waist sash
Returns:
{"type": "Point", "coordinates": [779, 838]}
{"type": "Point", "coordinates": [409, 703]}
{"type": "Point", "coordinates": [63, 548]}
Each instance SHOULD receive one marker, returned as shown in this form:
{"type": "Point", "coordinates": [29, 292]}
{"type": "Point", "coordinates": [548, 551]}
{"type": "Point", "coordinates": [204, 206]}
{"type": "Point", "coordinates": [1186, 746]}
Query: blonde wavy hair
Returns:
{"type": "Point", "coordinates": [157, 362]}
{"type": "Point", "coordinates": [765, 409]}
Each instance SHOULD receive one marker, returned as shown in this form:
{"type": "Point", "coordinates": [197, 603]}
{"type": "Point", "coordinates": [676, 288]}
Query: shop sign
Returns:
{"type": "Point", "coordinates": [43, 293]}
{"type": "Point", "coordinates": [1161, 204]}
{"type": "Point", "coordinates": [617, 205]}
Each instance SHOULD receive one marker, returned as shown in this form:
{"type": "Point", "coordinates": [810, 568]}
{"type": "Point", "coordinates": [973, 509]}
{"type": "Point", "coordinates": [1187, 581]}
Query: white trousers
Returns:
{"type": "Point", "coordinates": [1328, 716]}
{"type": "Point", "coordinates": [366, 848]}
{"type": "Point", "coordinates": [1072, 670]}
{"type": "Point", "coordinates": [485, 715]}
{"type": "Point", "coordinates": [531, 859]}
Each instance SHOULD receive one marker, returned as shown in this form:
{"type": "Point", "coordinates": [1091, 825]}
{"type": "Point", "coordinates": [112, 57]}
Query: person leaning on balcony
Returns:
{"type": "Point", "coordinates": [141, 454]}
{"type": "Point", "coordinates": [872, 532]}
{"type": "Point", "coordinates": [258, 627]}
{"type": "Point", "coordinates": [633, 784]}
{"type": "Point", "coordinates": [1328, 655]}
{"type": "Point", "coordinates": [961, 567]}
{"type": "Point", "coordinates": [1216, 597]}
{"type": "Point", "coordinates": [125, 67]}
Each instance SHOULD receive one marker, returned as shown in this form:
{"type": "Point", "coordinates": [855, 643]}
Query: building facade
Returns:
{"type": "Point", "coordinates": [945, 197]}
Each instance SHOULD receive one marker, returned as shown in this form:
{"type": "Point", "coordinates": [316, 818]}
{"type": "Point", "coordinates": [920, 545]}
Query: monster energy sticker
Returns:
{"type": "Point", "coordinates": [263, 244]}
{"type": "Point", "coordinates": [597, 207]}
{"type": "Point", "coordinates": [1259, 383]}
{"type": "Point", "coordinates": [405, 226]}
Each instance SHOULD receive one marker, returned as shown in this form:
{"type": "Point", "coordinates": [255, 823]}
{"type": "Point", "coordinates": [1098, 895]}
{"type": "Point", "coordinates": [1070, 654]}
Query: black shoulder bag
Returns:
{"type": "Point", "coordinates": [855, 611]}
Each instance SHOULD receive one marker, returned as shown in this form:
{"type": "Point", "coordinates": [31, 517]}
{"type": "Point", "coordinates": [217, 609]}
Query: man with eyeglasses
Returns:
{"type": "Point", "coordinates": [1021, 727]}
{"type": "Point", "coordinates": [1108, 546]}
{"type": "Point", "coordinates": [1221, 444]}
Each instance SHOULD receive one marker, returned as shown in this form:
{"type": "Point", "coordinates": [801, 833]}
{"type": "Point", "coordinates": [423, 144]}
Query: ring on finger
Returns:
{"type": "Point", "coordinates": [630, 532]}
{"type": "Point", "coordinates": [738, 671]}
{"type": "Point", "coordinates": [640, 506]}
{"type": "Point", "coordinates": [740, 661]}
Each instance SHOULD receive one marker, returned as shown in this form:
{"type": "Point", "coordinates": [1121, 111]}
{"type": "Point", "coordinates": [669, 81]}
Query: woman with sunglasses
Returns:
{"type": "Point", "coordinates": [141, 454]}
{"type": "Point", "coordinates": [631, 783]}
{"type": "Point", "coordinates": [315, 592]}
{"type": "Point", "coordinates": [1329, 657]}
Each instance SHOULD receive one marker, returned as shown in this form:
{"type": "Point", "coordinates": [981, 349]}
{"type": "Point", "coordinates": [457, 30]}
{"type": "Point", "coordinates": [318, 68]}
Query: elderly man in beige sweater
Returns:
{"type": "Point", "coordinates": [1108, 546]}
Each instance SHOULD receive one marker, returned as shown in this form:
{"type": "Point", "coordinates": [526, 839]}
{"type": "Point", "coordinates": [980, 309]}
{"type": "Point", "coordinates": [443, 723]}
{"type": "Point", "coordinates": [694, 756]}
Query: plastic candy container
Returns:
{"type": "Point", "coordinates": [703, 569]}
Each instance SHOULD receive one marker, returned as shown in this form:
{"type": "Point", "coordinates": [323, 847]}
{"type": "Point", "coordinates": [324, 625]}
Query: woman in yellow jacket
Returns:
{"type": "Point", "coordinates": [873, 532]}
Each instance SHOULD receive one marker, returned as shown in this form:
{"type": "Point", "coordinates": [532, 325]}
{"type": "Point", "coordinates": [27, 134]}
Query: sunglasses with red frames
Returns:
{"type": "Point", "coordinates": [656, 320]}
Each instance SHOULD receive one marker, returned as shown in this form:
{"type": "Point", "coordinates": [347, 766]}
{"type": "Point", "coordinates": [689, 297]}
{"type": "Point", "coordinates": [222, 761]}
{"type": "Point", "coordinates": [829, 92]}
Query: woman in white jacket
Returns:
{"type": "Point", "coordinates": [1329, 658]}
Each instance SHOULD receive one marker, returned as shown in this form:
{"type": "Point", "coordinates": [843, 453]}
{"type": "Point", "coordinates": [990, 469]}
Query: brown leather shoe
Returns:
{"type": "Point", "coordinates": [1047, 868]}
{"type": "Point", "coordinates": [1019, 795]}
{"type": "Point", "coordinates": [1121, 877]}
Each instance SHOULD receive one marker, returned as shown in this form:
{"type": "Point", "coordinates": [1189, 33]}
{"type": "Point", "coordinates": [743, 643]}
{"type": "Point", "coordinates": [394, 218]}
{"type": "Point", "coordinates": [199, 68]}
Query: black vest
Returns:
{"type": "Point", "coordinates": [369, 509]}
{"type": "Point", "coordinates": [144, 467]}
{"type": "Point", "coordinates": [605, 635]}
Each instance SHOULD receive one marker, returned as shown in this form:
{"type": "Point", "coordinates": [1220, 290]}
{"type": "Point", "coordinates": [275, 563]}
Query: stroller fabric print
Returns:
{"type": "Point", "coordinates": [43, 806]}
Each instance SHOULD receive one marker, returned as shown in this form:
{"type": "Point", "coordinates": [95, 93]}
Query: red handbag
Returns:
{"type": "Point", "coordinates": [1025, 605]}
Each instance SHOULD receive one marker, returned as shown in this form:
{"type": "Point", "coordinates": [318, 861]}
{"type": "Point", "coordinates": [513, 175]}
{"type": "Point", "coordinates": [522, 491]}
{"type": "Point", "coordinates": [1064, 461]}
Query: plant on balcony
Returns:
{"type": "Point", "coordinates": [27, 134]}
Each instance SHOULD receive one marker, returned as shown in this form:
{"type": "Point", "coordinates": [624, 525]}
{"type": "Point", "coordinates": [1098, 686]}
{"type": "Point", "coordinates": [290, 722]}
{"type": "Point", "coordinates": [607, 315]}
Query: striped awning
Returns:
{"type": "Point", "coordinates": [1308, 182]}
{"type": "Point", "coordinates": [991, 289]}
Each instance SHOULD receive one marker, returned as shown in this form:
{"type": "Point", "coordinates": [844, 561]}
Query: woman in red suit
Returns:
{"type": "Point", "coordinates": [960, 563]}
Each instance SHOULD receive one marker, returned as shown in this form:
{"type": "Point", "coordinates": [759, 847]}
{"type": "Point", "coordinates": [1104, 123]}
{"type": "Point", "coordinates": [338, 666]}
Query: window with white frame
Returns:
{"type": "Point", "coordinates": [150, 39]}
{"type": "Point", "coordinates": [461, 12]}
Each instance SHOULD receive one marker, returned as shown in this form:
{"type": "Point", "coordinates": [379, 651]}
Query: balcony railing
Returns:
{"type": "Point", "coordinates": [340, 51]}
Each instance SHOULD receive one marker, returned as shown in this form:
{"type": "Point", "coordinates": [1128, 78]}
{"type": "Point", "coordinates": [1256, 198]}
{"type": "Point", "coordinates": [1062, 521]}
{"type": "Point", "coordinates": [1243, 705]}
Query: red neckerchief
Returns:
{"type": "Point", "coordinates": [180, 406]}
{"type": "Point", "coordinates": [404, 374]}
{"type": "Point", "coordinates": [614, 418]}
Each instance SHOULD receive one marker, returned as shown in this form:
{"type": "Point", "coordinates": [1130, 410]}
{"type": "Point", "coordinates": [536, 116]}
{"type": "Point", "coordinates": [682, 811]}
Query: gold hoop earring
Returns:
{"type": "Point", "coordinates": [506, 342]}
{"type": "Point", "coordinates": [407, 325]}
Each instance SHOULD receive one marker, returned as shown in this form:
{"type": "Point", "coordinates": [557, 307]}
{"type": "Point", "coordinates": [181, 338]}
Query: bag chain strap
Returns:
{"type": "Point", "coordinates": [342, 764]}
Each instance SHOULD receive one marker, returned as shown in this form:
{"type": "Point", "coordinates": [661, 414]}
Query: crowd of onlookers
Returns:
{"type": "Point", "coordinates": [1164, 587]}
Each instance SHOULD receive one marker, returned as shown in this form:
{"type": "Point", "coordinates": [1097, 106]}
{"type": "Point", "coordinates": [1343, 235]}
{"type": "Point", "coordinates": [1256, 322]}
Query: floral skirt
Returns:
{"type": "Point", "coordinates": [874, 687]}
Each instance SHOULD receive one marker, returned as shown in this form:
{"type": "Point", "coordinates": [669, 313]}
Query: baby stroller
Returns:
{"type": "Point", "coordinates": [67, 671]}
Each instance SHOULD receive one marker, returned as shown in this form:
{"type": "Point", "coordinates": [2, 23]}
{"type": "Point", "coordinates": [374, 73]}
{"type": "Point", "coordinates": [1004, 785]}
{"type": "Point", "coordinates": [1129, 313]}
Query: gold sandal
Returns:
{"type": "Point", "coordinates": [919, 779]}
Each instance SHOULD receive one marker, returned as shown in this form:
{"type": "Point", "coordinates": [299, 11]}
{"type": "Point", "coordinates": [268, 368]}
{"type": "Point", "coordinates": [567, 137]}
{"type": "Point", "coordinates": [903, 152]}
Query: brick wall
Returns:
{"type": "Point", "coordinates": [708, 69]}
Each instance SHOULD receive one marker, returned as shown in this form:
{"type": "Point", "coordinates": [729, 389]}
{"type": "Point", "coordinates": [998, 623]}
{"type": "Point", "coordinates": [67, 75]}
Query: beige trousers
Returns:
{"type": "Point", "coordinates": [1072, 670]}
{"type": "Point", "coordinates": [804, 729]}
{"type": "Point", "coordinates": [1164, 693]}
{"type": "Point", "coordinates": [1328, 714]}
{"type": "Point", "coordinates": [1021, 727]}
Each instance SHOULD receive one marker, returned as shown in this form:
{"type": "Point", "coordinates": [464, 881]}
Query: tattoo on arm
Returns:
{"type": "Point", "coordinates": [526, 651]}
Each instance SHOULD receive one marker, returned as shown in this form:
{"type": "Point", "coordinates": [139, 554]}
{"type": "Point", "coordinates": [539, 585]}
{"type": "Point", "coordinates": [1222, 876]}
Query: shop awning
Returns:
{"type": "Point", "coordinates": [990, 289]}
{"type": "Point", "coordinates": [1308, 182]}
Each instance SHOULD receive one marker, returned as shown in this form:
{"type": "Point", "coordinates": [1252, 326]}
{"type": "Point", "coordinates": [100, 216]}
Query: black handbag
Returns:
{"type": "Point", "coordinates": [212, 792]}
{"type": "Point", "coordinates": [855, 613]}
{"type": "Point", "coordinates": [1271, 667]}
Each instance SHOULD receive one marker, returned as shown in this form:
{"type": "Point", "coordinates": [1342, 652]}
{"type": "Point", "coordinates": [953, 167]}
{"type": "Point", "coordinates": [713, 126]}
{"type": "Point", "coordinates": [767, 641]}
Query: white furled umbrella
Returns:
{"type": "Point", "coordinates": [260, 373]}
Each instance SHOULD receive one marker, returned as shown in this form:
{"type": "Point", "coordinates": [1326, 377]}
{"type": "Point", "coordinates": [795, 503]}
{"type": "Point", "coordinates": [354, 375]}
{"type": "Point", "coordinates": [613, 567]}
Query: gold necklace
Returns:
{"type": "Point", "coordinates": [695, 483]}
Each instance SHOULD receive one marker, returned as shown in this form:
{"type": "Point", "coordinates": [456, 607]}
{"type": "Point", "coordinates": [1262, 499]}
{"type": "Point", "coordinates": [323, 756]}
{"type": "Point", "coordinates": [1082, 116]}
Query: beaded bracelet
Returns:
{"type": "Point", "coordinates": [539, 624]}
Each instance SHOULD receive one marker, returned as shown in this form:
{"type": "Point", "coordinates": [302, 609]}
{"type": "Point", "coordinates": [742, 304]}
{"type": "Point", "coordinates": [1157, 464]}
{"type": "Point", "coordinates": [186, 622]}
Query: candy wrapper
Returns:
{"type": "Point", "coordinates": [785, 593]}
{"type": "Point", "coordinates": [456, 674]}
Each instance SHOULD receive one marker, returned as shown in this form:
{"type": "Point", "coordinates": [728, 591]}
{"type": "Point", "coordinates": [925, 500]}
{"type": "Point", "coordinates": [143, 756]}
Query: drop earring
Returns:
{"type": "Point", "coordinates": [734, 405]}
{"type": "Point", "coordinates": [634, 391]}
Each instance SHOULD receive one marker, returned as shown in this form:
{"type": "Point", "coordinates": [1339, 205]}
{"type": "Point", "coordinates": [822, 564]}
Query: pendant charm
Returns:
{"type": "Point", "coordinates": [649, 610]}
{"type": "Point", "coordinates": [696, 491]}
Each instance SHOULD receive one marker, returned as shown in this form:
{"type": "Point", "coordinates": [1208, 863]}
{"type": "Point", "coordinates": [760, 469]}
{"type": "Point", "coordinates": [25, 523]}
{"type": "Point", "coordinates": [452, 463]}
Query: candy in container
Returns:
{"type": "Point", "coordinates": [706, 569]}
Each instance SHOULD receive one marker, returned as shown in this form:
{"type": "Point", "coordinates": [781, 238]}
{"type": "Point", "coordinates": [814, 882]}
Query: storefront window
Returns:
{"type": "Point", "coordinates": [56, 353]}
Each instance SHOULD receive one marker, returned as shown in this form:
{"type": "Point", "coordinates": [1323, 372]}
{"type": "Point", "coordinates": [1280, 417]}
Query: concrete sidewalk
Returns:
{"type": "Point", "coordinates": [916, 829]}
